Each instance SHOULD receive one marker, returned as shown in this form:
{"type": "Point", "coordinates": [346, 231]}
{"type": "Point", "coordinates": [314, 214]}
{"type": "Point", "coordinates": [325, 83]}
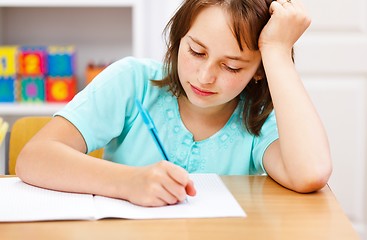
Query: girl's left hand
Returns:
{"type": "Point", "coordinates": [287, 23]}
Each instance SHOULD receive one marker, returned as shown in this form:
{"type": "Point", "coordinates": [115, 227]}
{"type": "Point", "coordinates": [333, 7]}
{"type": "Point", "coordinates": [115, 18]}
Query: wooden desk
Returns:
{"type": "Point", "coordinates": [273, 213]}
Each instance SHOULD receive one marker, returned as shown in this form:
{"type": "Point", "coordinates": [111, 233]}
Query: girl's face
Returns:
{"type": "Point", "coordinates": [212, 69]}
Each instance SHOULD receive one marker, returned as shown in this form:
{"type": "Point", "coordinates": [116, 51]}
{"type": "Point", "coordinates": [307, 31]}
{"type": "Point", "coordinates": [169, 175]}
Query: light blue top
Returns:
{"type": "Point", "coordinates": [106, 115]}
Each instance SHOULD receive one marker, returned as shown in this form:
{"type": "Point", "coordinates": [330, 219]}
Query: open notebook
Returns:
{"type": "Point", "coordinates": [22, 202]}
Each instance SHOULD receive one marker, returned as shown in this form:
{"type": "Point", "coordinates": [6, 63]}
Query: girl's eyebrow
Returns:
{"type": "Point", "coordinates": [197, 42]}
{"type": "Point", "coordinates": [235, 58]}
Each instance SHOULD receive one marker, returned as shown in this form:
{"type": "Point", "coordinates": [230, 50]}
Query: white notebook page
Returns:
{"type": "Point", "coordinates": [213, 199]}
{"type": "Point", "coordinates": [22, 202]}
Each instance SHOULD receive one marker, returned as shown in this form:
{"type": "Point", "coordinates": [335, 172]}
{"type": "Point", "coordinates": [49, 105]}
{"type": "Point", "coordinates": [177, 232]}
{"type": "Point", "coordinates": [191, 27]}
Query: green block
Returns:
{"type": "Point", "coordinates": [32, 89]}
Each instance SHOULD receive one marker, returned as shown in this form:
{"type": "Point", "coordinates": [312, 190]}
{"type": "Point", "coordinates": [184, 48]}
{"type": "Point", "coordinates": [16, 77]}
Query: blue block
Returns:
{"type": "Point", "coordinates": [7, 89]}
{"type": "Point", "coordinates": [61, 61]}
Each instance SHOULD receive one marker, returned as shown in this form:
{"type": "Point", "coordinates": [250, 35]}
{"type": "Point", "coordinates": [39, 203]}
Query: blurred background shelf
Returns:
{"type": "Point", "coordinates": [25, 109]}
{"type": "Point", "coordinates": [102, 31]}
{"type": "Point", "coordinates": [71, 3]}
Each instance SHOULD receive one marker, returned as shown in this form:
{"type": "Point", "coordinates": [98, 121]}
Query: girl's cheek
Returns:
{"type": "Point", "coordinates": [236, 84]}
{"type": "Point", "coordinates": [189, 64]}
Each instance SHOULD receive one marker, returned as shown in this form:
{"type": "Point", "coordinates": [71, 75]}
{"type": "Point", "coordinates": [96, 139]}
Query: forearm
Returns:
{"type": "Point", "coordinates": [60, 167]}
{"type": "Point", "coordinates": [304, 146]}
{"type": "Point", "coordinates": [63, 168]}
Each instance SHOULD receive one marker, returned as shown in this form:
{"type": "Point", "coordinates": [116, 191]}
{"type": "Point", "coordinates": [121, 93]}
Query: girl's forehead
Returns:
{"type": "Point", "coordinates": [214, 25]}
{"type": "Point", "coordinates": [212, 20]}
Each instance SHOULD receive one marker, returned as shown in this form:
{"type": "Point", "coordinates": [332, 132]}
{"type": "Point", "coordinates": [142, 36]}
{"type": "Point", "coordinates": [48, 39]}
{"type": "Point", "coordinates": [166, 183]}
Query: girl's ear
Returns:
{"type": "Point", "coordinates": [260, 73]}
{"type": "Point", "coordinates": [257, 77]}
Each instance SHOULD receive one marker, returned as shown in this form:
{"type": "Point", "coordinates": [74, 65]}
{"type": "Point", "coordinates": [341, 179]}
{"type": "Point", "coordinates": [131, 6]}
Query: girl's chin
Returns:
{"type": "Point", "coordinates": [206, 102]}
{"type": "Point", "coordinates": [199, 102]}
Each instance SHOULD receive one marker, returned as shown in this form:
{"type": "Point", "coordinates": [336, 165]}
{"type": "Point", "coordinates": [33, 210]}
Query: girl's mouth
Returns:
{"type": "Point", "coordinates": [201, 92]}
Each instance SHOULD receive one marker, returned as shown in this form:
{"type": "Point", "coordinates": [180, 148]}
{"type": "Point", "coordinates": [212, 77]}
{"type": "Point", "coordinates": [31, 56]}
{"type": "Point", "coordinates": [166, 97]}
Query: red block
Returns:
{"type": "Point", "coordinates": [60, 89]}
{"type": "Point", "coordinates": [32, 61]}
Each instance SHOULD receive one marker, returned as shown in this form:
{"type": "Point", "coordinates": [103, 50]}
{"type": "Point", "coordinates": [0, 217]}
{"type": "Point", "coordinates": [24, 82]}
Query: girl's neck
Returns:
{"type": "Point", "coordinates": [204, 122]}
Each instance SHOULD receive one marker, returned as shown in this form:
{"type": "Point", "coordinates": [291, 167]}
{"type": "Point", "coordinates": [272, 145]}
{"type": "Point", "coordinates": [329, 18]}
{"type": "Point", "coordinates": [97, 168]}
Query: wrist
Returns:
{"type": "Point", "coordinates": [276, 50]}
{"type": "Point", "coordinates": [118, 187]}
{"type": "Point", "coordinates": [277, 54]}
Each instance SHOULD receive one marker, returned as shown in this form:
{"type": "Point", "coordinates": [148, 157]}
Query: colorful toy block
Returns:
{"type": "Point", "coordinates": [8, 60]}
{"type": "Point", "coordinates": [32, 61]}
{"type": "Point", "coordinates": [60, 89]}
{"type": "Point", "coordinates": [32, 89]}
{"type": "Point", "coordinates": [7, 89]}
{"type": "Point", "coordinates": [61, 61]}
{"type": "Point", "coordinates": [37, 73]}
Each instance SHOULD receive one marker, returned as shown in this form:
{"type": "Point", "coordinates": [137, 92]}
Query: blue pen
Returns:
{"type": "Point", "coordinates": [152, 129]}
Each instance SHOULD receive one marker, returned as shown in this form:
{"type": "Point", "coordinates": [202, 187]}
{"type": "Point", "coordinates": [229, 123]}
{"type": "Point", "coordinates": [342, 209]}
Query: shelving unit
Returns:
{"type": "Point", "coordinates": [101, 30]}
{"type": "Point", "coordinates": [21, 109]}
{"type": "Point", "coordinates": [70, 3]}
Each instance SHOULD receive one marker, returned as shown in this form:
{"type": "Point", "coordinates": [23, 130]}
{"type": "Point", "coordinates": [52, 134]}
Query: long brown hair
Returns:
{"type": "Point", "coordinates": [248, 19]}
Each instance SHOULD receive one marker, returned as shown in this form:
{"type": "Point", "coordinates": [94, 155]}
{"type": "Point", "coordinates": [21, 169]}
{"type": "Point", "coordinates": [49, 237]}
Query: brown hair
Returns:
{"type": "Point", "coordinates": [248, 19]}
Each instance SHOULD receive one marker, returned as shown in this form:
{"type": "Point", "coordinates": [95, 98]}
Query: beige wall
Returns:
{"type": "Point", "coordinates": [332, 60]}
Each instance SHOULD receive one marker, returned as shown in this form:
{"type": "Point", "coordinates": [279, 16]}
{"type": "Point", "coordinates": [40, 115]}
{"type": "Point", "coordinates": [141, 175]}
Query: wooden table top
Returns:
{"type": "Point", "coordinates": [273, 212]}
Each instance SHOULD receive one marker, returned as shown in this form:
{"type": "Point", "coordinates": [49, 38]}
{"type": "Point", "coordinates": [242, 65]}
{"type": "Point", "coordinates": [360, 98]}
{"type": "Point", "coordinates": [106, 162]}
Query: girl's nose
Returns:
{"type": "Point", "coordinates": [207, 73]}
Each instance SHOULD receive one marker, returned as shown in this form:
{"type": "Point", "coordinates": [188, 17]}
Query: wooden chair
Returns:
{"type": "Point", "coordinates": [22, 131]}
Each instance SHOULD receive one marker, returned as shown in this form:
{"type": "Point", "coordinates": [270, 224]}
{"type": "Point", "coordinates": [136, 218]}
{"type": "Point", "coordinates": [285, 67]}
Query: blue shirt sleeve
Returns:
{"type": "Point", "coordinates": [105, 107]}
{"type": "Point", "coordinates": [268, 134]}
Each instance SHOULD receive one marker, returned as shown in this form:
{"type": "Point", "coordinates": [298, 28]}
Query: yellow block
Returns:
{"type": "Point", "coordinates": [3, 129]}
{"type": "Point", "coordinates": [8, 59]}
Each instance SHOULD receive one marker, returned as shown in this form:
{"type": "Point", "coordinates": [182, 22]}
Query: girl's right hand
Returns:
{"type": "Point", "coordinates": [160, 184]}
{"type": "Point", "coordinates": [288, 21]}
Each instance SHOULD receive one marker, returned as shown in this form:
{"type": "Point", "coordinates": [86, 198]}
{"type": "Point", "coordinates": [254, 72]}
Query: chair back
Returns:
{"type": "Point", "coordinates": [22, 131]}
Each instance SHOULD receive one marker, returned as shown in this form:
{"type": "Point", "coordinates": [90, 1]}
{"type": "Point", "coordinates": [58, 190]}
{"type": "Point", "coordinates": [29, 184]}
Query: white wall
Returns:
{"type": "Point", "coordinates": [158, 13]}
{"type": "Point", "coordinates": [331, 58]}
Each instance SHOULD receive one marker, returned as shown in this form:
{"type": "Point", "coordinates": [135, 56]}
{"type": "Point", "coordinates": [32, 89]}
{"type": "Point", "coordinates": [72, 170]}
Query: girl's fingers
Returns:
{"type": "Point", "coordinates": [190, 188]}
{"type": "Point", "coordinates": [182, 177]}
{"type": "Point", "coordinates": [167, 197]}
{"type": "Point", "coordinates": [284, 3]}
{"type": "Point", "coordinates": [174, 189]}
{"type": "Point", "coordinates": [274, 6]}
{"type": "Point", "coordinates": [177, 173]}
{"type": "Point", "coordinates": [161, 184]}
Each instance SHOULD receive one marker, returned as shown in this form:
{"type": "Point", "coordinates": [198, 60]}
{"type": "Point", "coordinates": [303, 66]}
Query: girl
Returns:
{"type": "Point", "coordinates": [227, 100]}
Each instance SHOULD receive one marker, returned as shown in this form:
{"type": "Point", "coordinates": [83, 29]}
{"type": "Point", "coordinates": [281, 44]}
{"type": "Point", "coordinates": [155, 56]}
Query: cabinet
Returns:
{"type": "Point", "coordinates": [101, 31]}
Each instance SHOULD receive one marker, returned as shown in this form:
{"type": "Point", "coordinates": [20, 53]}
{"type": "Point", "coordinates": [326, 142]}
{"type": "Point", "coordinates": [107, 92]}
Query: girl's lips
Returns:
{"type": "Point", "coordinates": [201, 92]}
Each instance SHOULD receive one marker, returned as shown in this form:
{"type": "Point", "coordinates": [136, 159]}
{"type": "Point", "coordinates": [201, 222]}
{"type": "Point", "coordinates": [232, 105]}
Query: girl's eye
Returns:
{"type": "Point", "coordinates": [196, 54]}
{"type": "Point", "coordinates": [234, 70]}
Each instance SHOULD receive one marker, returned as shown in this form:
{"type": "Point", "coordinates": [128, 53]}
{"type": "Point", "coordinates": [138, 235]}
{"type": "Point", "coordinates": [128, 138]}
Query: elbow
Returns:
{"type": "Point", "coordinates": [19, 165]}
{"type": "Point", "coordinates": [314, 180]}
{"type": "Point", "coordinates": [23, 159]}
{"type": "Point", "coordinates": [311, 185]}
